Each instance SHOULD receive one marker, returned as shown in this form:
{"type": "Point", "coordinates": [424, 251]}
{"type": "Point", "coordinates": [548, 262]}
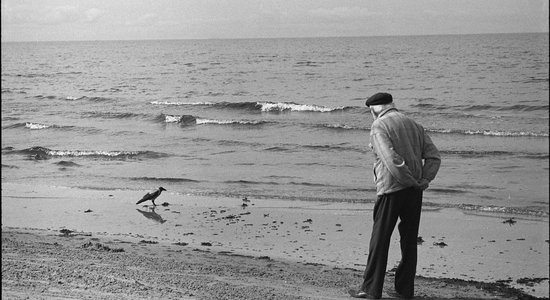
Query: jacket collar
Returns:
{"type": "Point", "coordinates": [386, 111]}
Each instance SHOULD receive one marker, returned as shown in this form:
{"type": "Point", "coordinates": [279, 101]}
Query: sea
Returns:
{"type": "Point", "coordinates": [280, 119]}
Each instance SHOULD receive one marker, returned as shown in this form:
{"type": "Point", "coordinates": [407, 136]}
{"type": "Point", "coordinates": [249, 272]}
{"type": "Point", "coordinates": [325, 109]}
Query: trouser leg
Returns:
{"type": "Point", "coordinates": [408, 231]}
{"type": "Point", "coordinates": [385, 218]}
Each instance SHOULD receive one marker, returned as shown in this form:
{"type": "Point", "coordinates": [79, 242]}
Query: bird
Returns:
{"type": "Point", "coordinates": [152, 196]}
{"type": "Point", "coordinates": [510, 221]}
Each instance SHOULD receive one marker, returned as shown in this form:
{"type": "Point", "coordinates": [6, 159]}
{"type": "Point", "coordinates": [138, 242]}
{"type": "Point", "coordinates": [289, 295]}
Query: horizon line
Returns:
{"type": "Point", "coordinates": [272, 38]}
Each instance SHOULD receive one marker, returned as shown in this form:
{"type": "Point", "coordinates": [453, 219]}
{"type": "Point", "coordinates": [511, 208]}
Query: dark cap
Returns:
{"type": "Point", "coordinates": [379, 99]}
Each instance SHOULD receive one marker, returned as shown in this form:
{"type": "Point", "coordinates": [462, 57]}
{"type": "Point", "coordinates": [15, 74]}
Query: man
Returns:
{"type": "Point", "coordinates": [406, 161]}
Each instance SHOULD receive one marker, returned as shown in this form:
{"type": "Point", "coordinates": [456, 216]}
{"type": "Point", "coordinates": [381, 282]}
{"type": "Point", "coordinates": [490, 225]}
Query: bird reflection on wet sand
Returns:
{"type": "Point", "coordinates": [152, 215]}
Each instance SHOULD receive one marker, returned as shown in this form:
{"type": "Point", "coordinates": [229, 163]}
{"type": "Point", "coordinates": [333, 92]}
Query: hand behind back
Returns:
{"type": "Point", "coordinates": [423, 184]}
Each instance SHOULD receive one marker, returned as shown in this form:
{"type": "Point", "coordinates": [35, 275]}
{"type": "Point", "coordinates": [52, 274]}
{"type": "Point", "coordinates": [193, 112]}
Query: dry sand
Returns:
{"type": "Point", "coordinates": [213, 248]}
{"type": "Point", "coordinates": [42, 264]}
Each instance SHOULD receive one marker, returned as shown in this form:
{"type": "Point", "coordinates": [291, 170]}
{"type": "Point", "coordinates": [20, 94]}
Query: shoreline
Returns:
{"type": "Point", "coordinates": [50, 264]}
{"type": "Point", "coordinates": [478, 249]}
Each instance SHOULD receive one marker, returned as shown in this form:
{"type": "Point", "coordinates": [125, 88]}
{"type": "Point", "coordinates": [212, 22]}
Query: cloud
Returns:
{"type": "Point", "coordinates": [344, 13]}
{"type": "Point", "coordinates": [48, 15]}
{"type": "Point", "coordinates": [91, 15]}
{"type": "Point", "coordinates": [58, 15]}
{"type": "Point", "coordinates": [143, 20]}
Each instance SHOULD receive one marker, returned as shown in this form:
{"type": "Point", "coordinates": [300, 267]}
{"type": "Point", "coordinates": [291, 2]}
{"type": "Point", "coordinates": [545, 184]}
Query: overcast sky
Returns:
{"type": "Point", "coordinates": [66, 20]}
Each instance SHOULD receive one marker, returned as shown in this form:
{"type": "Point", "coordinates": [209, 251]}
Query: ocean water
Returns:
{"type": "Point", "coordinates": [278, 118]}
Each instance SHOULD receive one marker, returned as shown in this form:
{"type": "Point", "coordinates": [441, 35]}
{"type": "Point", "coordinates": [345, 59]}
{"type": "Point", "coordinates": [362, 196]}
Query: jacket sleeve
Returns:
{"type": "Point", "coordinates": [395, 164]}
{"type": "Point", "coordinates": [432, 159]}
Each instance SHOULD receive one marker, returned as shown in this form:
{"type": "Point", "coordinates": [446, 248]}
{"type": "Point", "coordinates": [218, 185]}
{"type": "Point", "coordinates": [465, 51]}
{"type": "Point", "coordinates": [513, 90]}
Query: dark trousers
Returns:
{"type": "Point", "coordinates": [405, 205]}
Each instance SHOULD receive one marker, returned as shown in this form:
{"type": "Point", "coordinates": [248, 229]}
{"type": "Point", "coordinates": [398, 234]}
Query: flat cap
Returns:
{"type": "Point", "coordinates": [378, 99]}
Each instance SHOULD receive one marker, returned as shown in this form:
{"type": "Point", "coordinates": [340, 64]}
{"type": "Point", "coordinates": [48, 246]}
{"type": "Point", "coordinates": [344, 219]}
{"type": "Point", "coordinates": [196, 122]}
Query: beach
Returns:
{"type": "Point", "coordinates": [75, 243]}
{"type": "Point", "coordinates": [89, 127]}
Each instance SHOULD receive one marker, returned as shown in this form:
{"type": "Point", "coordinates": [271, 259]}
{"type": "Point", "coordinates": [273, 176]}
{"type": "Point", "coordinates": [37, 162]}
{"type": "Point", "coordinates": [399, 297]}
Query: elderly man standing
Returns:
{"type": "Point", "coordinates": [406, 161]}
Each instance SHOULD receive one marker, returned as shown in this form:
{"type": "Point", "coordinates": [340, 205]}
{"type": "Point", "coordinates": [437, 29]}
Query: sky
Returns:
{"type": "Point", "coordinates": [70, 20]}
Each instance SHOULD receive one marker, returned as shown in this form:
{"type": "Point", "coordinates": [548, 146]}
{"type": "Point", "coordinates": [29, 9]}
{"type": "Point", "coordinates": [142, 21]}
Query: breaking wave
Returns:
{"type": "Point", "coordinates": [259, 106]}
{"type": "Point", "coordinates": [503, 210]}
{"type": "Point", "coordinates": [475, 154]}
{"type": "Point", "coordinates": [92, 99]}
{"type": "Point", "coordinates": [45, 153]}
{"type": "Point", "coordinates": [228, 122]}
{"type": "Point", "coordinates": [35, 126]}
{"type": "Point", "coordinates": [192, 120]}
{"type": "Point", "coordinates": [110, 115]}
{"type": "Point", "coordinates": [495, 133]}
{"type": "Point", "coordinates": [516, 107]}
{"type": "Point", "coordinates": [163, 179]}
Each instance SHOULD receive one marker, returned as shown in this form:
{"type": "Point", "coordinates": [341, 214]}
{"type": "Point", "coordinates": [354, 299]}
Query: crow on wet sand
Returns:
{"type": "Point", "coordinates": [152, 196]}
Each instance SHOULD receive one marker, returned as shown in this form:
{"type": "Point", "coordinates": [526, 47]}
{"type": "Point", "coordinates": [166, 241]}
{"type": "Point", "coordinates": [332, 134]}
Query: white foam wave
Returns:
{"type": "Point", "coordinates": [35, 126]}
{"type": "Point", "coordinates": [209, 121]}
{"type": "Point", "coordinates": [227, 122]}
{"type": "Point", "coordinates": [495, 133]}
{"type": "Point", "coordinates": [180, 103]}
{"type": "Point", "coordinates": [340, 126]}
{"type": "Point", "coordinates": [283, 106]}
{"type": "Point", "coordinates": [89, 153]}
{"type": "Point", "coordinates": [72, 98]}
{"type": "Point", "coordinates": [172, 119]}
{"type": "Point", "coordinates": [505, 133]}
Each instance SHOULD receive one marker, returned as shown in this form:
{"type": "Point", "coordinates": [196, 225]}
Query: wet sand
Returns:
{"type": "Point", "coordinates": [287, 249]}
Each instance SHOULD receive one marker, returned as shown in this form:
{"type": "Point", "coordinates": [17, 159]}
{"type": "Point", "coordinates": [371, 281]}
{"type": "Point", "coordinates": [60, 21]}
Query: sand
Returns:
{"type": "Point", "coordinates": [213, 248]}
{"type": "Point", "coordinates": [48, 264]}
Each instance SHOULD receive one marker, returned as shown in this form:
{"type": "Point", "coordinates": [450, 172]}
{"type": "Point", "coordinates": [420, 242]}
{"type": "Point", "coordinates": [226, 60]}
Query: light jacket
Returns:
{"type": "Point", "coordinates": [403, 152]}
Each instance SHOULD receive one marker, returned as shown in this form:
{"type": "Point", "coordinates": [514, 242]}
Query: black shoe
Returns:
{"type": "Point", "coordinates": [399, 295]}
{"type": "Point", "coordinates": [361, 294]}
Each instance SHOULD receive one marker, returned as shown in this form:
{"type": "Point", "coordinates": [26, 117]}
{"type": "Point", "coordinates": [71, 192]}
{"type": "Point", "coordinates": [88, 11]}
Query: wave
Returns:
{"type": "Point", "coordinates": [342, 127]}
{"type": "Point", "coordinates": [250, 182]}
{"type": "Point", "coordinates": [492, 210]}
{"type": "Point", "coordinates": [47, 75]}
{"type": "Point", "coordinates": [168, 103]}
{"type": "Point", "coordinates": [41, 126]}
{"type": "Point", "coordinates": [529, 211]}
{"type": "Point", "coordinates": [72, 98]}
{"type": "Point", "coordinates": [474, 154]}
{"type": "Point", "coordinates": [229, 122]}
{"type": "Point", "coordinates": [476, 107]}
{"type": "Point", "coordinates": [192, 120]}
{"type": "Point", "coordinates": [65, 163]}
{"type": "Point", "coordinates": [40, 153]}
{"type": "Point", "coordinates": [110, 115]}
{"type": "Point", "coordinates": [259, 106]}
{"type": "Point", "coordinates": [34, 126]}
{"type": "Point", "coordinates": [495, 133]}
{"type": "Point", "coordinates": [182, 119]}
{"type": "Point", "coordinates": [336, 148]}
{"type": "Point", "coordinates": [10, 166]}
{"type": "Point", "coordinates": [50, 97]}
{"type": "Point", "coordinates": [92, 99]}
{"type": "Point", "coordinates": [163, 179]}
{"type": "Point", "coordinates": [289, 106]}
